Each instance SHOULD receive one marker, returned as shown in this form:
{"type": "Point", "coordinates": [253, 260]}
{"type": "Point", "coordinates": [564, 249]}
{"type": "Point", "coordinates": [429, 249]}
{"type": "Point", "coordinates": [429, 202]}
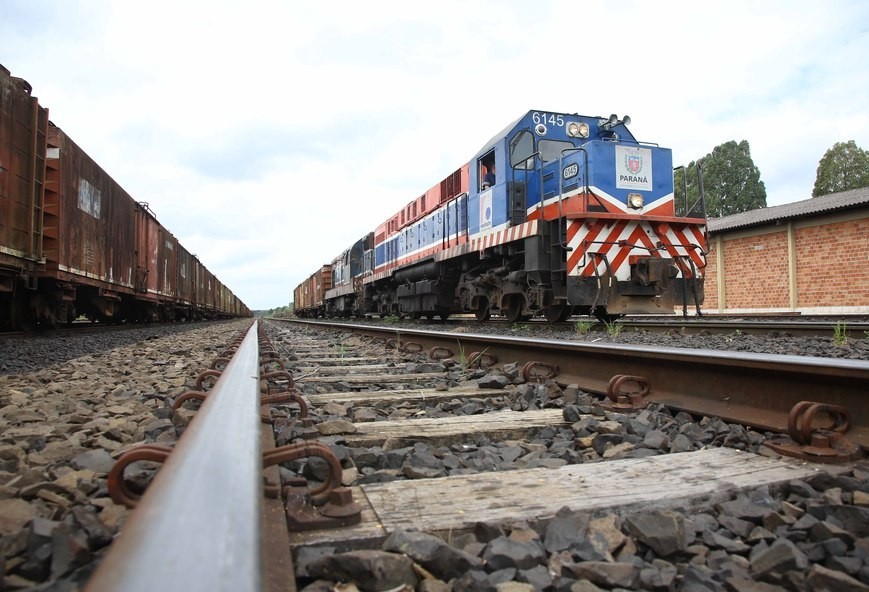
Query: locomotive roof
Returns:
{"type": "Point", "coordinates": [504, 132]}
{"type": "Point", "coordinates": [798, 209]}
{"type": "Point", "coordinates": [501, 135]}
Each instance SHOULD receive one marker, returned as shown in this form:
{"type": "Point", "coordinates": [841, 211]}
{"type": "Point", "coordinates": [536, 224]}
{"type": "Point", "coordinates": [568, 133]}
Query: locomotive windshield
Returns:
{"type": "Point", "coordinates": [521, 149]}
{"type": "Point", "coordinates": [551, 149]}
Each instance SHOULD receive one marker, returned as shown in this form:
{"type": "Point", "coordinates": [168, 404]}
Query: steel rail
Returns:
{"type": "Point", "coordinates": [758, 390]}
{"type": "Point", "coordinates": [850, 329]}
{"type": "Point", "coordinates": [198, 524]}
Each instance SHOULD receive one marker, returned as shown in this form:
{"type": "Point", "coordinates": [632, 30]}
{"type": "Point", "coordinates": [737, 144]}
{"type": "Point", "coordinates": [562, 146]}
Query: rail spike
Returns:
{"type": "Point", "coordinates": [822, 444]}
{"type": "Point", "coordinates": [328, 505]}
{"type": "Point", "coordinates": [621, 398]}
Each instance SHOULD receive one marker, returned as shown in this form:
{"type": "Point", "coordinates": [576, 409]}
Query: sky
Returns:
{"type": "Point", "coordinates": [268, 136]}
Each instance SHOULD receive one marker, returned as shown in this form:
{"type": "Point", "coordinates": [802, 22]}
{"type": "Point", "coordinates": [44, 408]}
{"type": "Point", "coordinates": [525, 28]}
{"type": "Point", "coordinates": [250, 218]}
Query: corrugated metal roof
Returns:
{"type": "Point", "coordinates": [797, 209]}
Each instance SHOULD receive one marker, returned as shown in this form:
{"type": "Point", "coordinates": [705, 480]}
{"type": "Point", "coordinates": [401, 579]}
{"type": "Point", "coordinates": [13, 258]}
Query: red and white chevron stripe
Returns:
{"type": "Point", "coordinates": [619, 240]}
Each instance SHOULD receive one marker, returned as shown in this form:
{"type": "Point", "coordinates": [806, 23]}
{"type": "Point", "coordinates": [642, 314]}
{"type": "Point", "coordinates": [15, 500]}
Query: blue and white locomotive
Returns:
{"type": "Point", "coordinates": [557, 214]}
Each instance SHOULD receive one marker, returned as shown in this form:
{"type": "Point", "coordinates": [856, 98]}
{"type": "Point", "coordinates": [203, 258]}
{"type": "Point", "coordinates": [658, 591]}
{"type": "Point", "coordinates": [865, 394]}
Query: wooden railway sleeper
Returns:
{"type": "Point", "coordinates": [622, 399]}
{"type": "Point", "coordinates": [823, 444]}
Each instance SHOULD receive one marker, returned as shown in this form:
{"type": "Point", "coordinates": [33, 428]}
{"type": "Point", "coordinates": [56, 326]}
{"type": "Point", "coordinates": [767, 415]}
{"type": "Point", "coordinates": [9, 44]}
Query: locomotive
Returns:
{"type": "Point", "coordinates": [73, 242]}
{"type": "Point", "coordinates": [557, 214]}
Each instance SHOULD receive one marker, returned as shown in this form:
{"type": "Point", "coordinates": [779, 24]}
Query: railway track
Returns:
{"type": "Point", "coordinates": [828, 327]}
{"type": "Point", "coordinates": [369, 395]}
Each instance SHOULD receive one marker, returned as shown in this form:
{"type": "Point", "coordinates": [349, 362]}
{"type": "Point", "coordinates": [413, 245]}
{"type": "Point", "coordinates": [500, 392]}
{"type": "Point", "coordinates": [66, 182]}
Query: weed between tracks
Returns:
{"type": "Point", "coordinates": [840, 334]}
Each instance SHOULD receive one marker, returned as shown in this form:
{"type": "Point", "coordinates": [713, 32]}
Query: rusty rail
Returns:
{"type": "Point", "coordinates": [759, 390]}
{"type": "Point", "coordinates": [197, 527]}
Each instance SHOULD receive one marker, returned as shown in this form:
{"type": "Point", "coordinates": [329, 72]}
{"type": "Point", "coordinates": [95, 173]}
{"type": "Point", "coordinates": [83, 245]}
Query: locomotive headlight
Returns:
{"type": "Point", "coordinates": [635, 201]}
{"type": "Point", "coordinates": [577, 129]}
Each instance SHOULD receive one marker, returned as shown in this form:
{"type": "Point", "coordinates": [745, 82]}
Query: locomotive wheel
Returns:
{"type": "Point", "coordinates": [558, 313]}
{"type": "Point", "coordinates": [514, 310]}
{"type": "Point", "coordinates": [483, 312]}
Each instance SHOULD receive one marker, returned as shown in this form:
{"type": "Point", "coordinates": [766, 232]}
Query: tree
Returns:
{"type": "Point", "coordinates": [731, 182]}
{"type": "Point", "coordinates": [844, 166]}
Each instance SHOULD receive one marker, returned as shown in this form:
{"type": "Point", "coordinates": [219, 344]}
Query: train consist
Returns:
{"type": "Point", "coordinates": [73, 242]}
{"type": "Point", "coordinates": [557, 214]}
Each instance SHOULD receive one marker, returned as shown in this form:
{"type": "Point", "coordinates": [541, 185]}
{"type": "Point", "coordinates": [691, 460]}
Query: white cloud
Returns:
{"type": "Point", "coordinates": [270, 135]}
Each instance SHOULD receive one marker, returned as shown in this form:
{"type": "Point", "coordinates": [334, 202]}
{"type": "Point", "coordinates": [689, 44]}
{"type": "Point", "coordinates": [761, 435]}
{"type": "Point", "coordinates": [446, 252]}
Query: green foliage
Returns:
{"type": "Point", "coordinates": [613, 329]}
{"type": "Point", "coordinates": [583, 326]}
{"type": "Point", "coordinates": [731, 182]}
{"type": "Point", "coordinates": [844, 166]}
{"type": "Point", "coordinates": [840, 333]}
{"type": "Point", "coordinates": [280, 311]}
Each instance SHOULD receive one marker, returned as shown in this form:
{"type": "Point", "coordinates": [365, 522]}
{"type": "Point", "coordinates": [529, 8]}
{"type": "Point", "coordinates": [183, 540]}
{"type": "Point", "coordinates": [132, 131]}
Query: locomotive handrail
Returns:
{"type": "Point", "coordinates": [197, 527]}
{"type": "Point", "coordinates": [582, 149]}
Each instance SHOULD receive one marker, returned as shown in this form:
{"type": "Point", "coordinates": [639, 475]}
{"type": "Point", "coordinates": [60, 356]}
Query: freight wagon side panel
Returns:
{"type": "Point", "coordinates": [186, 278]}
{"type": "Point", "coordinates": [97, 220]}
{"type": "Point", "coordinates": [23, 126]}
{"type": "Point", "coordinates": [167, 264]}
{"type": "Point", "coordinates": [147, 251]}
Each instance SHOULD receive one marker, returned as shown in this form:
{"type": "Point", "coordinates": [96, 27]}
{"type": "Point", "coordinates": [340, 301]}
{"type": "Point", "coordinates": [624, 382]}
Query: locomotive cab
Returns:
{"type": "Point", "coordinates": [608, 240]}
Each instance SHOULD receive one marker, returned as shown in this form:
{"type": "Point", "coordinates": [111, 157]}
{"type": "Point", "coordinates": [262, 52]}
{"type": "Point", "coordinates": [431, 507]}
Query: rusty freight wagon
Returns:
{"type": "Point", "coordinates": [23, 125]}
{"type": "Point", "coordinates": [73, 242]}
{"type": "Point", "coordinates": [309, 296]}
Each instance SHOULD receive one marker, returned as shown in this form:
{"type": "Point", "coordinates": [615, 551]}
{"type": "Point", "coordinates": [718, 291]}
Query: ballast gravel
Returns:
{"type": "Point", "coordinates": [70, 406]}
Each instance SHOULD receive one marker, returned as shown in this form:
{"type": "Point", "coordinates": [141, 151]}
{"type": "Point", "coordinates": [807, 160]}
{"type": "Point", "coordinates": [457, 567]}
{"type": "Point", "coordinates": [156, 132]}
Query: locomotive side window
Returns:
{"type": "Point", "coordinates": [486, 167]}
{"type": "Point", "coordinates": [521, 149]}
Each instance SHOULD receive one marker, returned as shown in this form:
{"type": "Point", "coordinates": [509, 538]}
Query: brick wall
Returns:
{"type": "Point", "coordinates": [710, 278]}
{"type": "Point", "coordinates": [832, 265]}
{"type": "Point", "coordinates": [756, 271]}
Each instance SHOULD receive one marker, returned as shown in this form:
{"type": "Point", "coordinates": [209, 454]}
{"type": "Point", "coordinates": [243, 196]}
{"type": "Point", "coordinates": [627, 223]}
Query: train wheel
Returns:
{"type": "Point", "coordinates": [514, 310]}
{"type": "Point", "coordinates": [558, 313]}
{"type": "Point", "coordinates": [444, 316]}
{"type": "Point", "coordinates": [483, 311]}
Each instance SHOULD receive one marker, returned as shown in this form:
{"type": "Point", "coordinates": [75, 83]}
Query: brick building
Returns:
{"type": "Point", "coordinates": [810, 257]}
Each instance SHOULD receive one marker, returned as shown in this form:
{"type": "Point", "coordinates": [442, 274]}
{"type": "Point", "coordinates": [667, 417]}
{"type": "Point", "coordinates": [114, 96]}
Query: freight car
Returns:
{"type": "Point", "coordinates": [73, 242]}
{"type": "Point", "coordinates": [557, 214]}
{"type": "Point", "coordinates": [309, 297]}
